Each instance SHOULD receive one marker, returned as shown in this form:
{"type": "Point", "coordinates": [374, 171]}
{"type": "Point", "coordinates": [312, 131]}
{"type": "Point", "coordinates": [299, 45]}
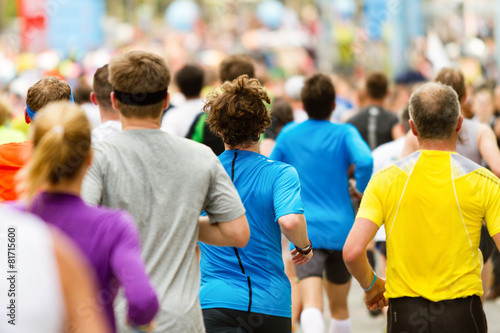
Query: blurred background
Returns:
{"type": "Point", "coordinates": [409, 40]}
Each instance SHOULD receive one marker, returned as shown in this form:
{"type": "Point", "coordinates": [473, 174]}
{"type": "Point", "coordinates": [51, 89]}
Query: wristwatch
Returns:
{"type": "Point", "coordinates": [305, 250]}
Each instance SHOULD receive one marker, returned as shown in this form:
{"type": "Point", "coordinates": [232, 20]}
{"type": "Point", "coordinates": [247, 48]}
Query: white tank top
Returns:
{"type": "Point", "coordinates": [467, 141]}
{"type": "Point", "coordinates": [36, 290]}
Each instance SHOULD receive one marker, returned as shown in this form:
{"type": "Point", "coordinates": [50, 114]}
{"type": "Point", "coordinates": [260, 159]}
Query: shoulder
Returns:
{"type": "Point", "coordinates": [362, 114]}
{"type": "Point", "coordinates": [406, 164]}
{"type": "Point", "coordinates": [117, 220]}
{"type": "Point", "coordinates": [289, 128]}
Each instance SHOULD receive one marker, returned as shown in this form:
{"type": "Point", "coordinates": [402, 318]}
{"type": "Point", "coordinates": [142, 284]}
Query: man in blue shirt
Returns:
{"type": "Point", "coordinates": [247, 288]}
{"type": "Point", "coordinates": [322, 153]}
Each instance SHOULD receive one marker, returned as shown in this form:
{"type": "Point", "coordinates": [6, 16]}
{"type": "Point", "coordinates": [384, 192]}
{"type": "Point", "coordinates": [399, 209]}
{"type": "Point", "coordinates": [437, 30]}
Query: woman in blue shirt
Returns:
{"type": "Point", "coordinates": [247, 289]}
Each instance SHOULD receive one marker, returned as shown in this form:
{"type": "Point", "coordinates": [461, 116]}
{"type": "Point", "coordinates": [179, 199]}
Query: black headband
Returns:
{"type": "Point", "coordinates": [140, 99]}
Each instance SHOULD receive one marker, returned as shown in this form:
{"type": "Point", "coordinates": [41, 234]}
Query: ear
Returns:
{"type": "Point", "coordinates": [27, 118]}
{"type": "Point", "coordinates": [113, 100]}
{"type": "Point", "coordinates": [459, 124]}
{"type": "Point", "coordinates": [413, 128]}
{"type": "Point", "coordinates": [93, 99]}
{"type": "Point", "coordinates": [167, 100]}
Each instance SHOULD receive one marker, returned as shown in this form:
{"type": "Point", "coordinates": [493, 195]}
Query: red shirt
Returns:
{"type": "Point", "coordinates": [13, 156]}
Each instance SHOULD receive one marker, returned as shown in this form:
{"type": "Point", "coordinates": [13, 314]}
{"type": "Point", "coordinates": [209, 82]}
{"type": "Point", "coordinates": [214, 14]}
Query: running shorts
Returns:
{"type": "Point", "coordinates": [222, 320]}
{"type": "Point", "coordinates": [328, 261]}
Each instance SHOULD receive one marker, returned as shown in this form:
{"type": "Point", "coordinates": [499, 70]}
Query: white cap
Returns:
{"type": "Point", "coordinates": [294, 85]}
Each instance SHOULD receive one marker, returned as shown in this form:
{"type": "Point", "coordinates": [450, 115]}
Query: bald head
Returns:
{"type": "Point", "coordinates": [435, 111]}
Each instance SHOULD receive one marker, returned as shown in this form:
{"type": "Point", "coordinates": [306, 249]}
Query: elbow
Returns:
{"type": "Point", "coordinates": [351, 254]}
{"type": "Point", "coordinates": [289, 222]}
{"type": "Point", "coordinates": [143, 309]}
{"type": "Point", "coordinates": [241, 235]}
{"type": "Point", "coordinates": [495, 170]}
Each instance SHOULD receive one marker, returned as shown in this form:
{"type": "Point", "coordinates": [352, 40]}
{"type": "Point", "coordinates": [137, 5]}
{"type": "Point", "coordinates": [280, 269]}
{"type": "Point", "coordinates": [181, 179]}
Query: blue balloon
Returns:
{"type": "Point", "coordinates": [271, 13]}
{"type": "Point", "coordinates": [182, 15]}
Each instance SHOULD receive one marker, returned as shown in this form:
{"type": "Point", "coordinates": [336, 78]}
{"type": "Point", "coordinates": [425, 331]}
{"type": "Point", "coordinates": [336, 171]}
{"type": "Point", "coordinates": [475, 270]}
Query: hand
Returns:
{"type": "Point", "coordinates": [353, 191]}
{"type": "Point", "coordinates": [374, 298]}
{"type": "Point", "coordinates": [300, 259]}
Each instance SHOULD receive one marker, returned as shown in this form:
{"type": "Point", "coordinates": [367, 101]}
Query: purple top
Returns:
{"type": "Point", "coordinates": [110, 241]}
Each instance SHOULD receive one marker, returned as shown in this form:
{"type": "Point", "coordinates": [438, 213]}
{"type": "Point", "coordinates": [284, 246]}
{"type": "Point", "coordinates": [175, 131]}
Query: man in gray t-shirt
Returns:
{"type": "Point", "coordinates": [165, 182]}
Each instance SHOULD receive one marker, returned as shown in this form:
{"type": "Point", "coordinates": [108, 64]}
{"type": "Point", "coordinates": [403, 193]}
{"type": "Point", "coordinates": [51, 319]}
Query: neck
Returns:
{"type": "Point", "coordinates": [449, 145]}
{"type": "Point", "coordinates": [109, 115]}
{"type": "Point", "coordinates": [73, 186]}
{"type": "Point", "coordinates": [140, 123]}
{"type": "Point", "coordinates": [254, 147]}
{"type": "Point", "coordinates": [374, 102]}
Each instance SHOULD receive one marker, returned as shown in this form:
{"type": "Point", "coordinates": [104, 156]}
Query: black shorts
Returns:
{"type": "Point", "coordinates": [328, 261]}
{"type": "Point", "coordinates": [486, 244]}
{"type": "Point", "coordinates": [222, 320]}
{"type": "Point", "coordinates": [381, 246]}
{"type": "Point", "coordinates": [419, 315]}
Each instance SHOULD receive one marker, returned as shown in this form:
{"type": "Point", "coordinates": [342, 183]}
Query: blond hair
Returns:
{"type": "Point", "coordinates": [48, 89]}
{"type": "Point", "coordinates": [139, 72]}
{"type": "Point", "coordinates": [61, 144]}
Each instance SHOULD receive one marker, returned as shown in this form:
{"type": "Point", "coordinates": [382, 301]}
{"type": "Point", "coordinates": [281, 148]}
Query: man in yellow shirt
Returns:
{"type": "Point", "coordinates": [432, 203]}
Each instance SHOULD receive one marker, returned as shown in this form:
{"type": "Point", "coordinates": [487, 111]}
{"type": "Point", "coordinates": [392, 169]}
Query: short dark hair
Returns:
{"type": "Point", "coordinates": [82, 93]}
{"type": "Point", "coordinates": [435, 110]}
{"type": "Point", "coordinates": [234, 66]}
{"type": "Point", "coordinates": [318, 96]}
{"type": "Point", "coordinates": [102, 88]}
{"type": "Point", "coordinates": [454, 78]}
{"type": "Point", "coordinates": [237, 111]}
{"type": "Point", "coordinates": [190, 80]}
{"type": "Point", "coordinates": [377, 85]}
{"type": "Point", "coordinates": [404, 116]}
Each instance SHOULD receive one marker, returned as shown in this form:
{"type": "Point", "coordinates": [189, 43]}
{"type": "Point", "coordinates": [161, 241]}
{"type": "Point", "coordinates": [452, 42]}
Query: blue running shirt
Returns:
{"type": "Point", "coordinates": [253, 278]}
{"type": "Point", "coordinates": [322, 152]}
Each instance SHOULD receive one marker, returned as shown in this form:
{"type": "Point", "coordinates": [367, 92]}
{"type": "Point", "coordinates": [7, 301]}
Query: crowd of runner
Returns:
{"type": "Point", "coordinates": [238, 210]}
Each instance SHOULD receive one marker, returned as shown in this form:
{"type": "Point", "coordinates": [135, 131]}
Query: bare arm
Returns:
{"type": "Point", "coordinates": [411, 145]}
{"type": "Point", "coordinates": [79, 289]}
{"type": "Point", "coordinates": [488, 147]}
{"type": "Point", "coordinates": [294, 227]}
{"type": "Point", "coordinates": [355, 258]}
{"type": "Point", "coordinates": [231, 233]}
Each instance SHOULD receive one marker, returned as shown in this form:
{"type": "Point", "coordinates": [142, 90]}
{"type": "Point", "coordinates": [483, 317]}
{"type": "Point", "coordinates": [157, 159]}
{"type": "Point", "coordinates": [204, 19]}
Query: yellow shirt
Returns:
{"type": "Point", "coordinates": [433, 204]}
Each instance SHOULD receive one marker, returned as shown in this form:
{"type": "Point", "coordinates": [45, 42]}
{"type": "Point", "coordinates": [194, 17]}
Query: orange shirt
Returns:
{"type": "Point", "coordinates": [13, 156]}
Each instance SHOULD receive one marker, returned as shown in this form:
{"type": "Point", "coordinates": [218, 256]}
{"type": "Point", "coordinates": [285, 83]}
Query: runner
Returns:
{"type": "Point", "coordinates": [109, 239]}
{"type": "Point", "coordinates": [239, 285]}
{"type": "Point", "coordinates": [54, 290]}
{"type": "Point", "coordinates": [432, 204]}
{"type": "Point", "coordinates": [165, 182]}
{"type": "Point", "coordinates": [13, 156]}
{"type": "Point", "coordinates": [322, 153]}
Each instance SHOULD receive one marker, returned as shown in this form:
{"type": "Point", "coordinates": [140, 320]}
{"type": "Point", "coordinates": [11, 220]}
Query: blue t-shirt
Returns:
{"type": "Point", "coordinates": [253, 278]}
{"type": "Point", "coordinates": [322, 152]}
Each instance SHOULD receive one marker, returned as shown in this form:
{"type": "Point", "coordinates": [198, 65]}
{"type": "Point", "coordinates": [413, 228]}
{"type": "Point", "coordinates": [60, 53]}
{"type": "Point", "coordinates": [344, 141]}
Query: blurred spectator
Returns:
{"type": "Point", "coordinates": [375, 124]}
{"type": "Point", "coordinates": [82, 97]}
{"type": "Point", "coordinates": [101, 96]}
{"type": "Point", "coordinates": [281, 114]}
{"type": "Point", "coordinates": [8, 134]}
{"type": "Point", "coordinates": [293, 87]}
{"type": "Point", "coordinates": [483, 106]}
{"type": "Point", "coordinates": [189, 79]}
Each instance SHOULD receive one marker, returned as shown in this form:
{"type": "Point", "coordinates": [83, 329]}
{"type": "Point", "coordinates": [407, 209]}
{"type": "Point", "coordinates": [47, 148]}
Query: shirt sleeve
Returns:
{"type": "Point", "coordinates": [128, 267]}
{"type": "Point", "coordinates": [223, 203]}
{"type": "Point", "coordinates": [360, 155]}
{"type": "Point", "coordinates": [93, 183]}
{"type": "Point", "coordinates": [286, 193]}
{"type": "Point", "coordinates": [492, 203]}
{"type": "Point", "coordinates": [371, 206]}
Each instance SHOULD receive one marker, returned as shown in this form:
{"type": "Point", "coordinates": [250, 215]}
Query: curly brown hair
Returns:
{"type": "Point", "coordinates": [236, 111]}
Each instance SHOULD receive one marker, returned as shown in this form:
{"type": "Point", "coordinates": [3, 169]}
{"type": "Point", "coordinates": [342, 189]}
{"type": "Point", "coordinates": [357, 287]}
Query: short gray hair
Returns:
{"type": "Point", "coordinates": [435, 110]}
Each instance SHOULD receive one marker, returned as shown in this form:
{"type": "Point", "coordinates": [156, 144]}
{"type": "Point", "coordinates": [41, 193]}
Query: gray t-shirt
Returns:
{"type": "Point", "coordinates": [165, 182]}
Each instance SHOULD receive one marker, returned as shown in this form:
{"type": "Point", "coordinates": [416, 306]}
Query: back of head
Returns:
{"type": "Point", "coordinates": [454, 78]}
{"type": "Point", "coordinates": [140, 80]}
{"type": "Point", "coordinates": [48, 89]}
{"type": "Point", "coordinates": [404, 116]}
{"type": "Point", "coordinates": [61, 138]}
{"type": "Point", "coordinates": [435, 110]}
{"type": "Point", "coordinates": [377, 85]}
{"type": "Point", "coordinates": [5, 112]}
{"type": "Point", "coordinates": [318, 96]}
{"type": "Point", "coordinates": [102, 88]}
{"type": "Point", "coordinates": [190, 79]}
{"type": "Point", "coordinates": [237, 111]}
{"type": "Point", "coordinates": [82, 93]}
{"type": "Point", "coordinates": [234, 66]}
{"type": "Point", "coordinates": [281, 113]}
{"type": "Point", "coordinates": [293, 87]}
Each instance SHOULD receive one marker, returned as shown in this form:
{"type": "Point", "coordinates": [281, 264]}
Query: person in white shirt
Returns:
{"type": "Point", "coordinates": [178, 120]}
{"type": "Point", "coordinates": [100, 96]}
{"type": "Point", "coordinates": [293, 87]}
